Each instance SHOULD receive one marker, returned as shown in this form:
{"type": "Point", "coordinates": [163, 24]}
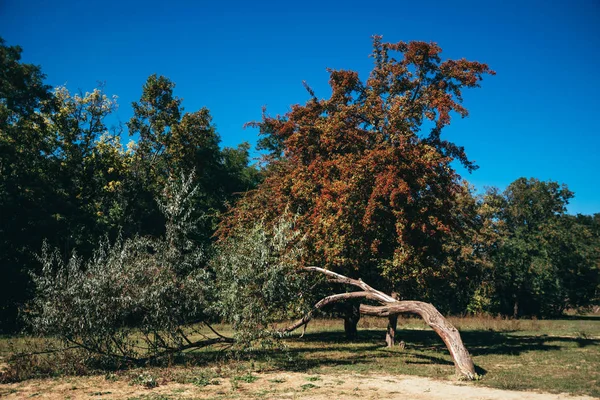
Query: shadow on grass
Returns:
{"type": "Point", "coordinates": [418, 342]}
{"type": "Point", "coordinates": [424, 348]}
{"type": "Point", "coordinates": [288, 361]}
{"type": "Point", "coordinates": [478, 342]}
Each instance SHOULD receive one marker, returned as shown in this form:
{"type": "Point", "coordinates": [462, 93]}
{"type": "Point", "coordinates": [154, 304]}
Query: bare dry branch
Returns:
{"type": "Point", "coordinates": [447, 332]}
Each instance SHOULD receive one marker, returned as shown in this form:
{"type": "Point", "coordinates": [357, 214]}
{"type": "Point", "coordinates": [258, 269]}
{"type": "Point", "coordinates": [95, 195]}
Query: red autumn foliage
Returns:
{"type": "Point", "coordinates": [370, 178]}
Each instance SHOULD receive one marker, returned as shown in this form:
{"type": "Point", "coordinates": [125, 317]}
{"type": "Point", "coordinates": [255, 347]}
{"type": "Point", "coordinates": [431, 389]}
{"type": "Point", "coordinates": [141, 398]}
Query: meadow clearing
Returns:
{"type": "Point", "coordinates": [532, 359]}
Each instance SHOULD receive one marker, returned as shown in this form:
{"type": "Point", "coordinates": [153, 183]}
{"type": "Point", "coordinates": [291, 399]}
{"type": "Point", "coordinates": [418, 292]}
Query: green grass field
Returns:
{"type": "Point", "coordinates": [545, 355]}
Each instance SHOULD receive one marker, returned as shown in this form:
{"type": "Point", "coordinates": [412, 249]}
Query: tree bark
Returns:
{"type": "Point", "coordinates": [390, 333]}
{"type": "Point", "coordinates": [432, 317]}
{"type": "Point", "coordinates": [392, 307]}
{"type": "Point", "coordinates": [351, 318]}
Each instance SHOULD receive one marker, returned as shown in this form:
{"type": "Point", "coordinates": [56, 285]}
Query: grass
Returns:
{"type": "Point", "coordinates": [547, 355]}
{"type": "Point", "coordinates": [248, 378]}
{"type": "Point", "coordinates": [313, 378]}
{"type": "Point", "coordinates": [308, 386]}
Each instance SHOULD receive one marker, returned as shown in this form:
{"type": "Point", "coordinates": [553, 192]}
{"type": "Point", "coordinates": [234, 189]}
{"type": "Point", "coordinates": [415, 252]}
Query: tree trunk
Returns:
{"type": "Point", "coordinates": [390, 333]}
{"type": "Point", "coordinates": [392, 307]}
{"type": "Point", "coordinates": [446, 331]}
{"type": "Point", "coordinates": [351, 318]}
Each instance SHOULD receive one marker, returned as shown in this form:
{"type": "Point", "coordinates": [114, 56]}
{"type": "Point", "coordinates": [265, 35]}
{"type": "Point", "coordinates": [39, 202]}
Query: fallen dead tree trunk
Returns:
{"type": "Point", "coordinates": [392, 307]}
{"type": "Point", "coordinates": [437, 322]}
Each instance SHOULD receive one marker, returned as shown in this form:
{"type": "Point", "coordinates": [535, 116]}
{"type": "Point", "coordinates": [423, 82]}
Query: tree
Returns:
{"type": "Point", "coordinates": [26, 185]}
{"type": "Point", "coordinates": [260, 281]}
{"type": "Point", "coordinates": [66, 178]}
{"type": "Point", "coordinates": [368, 172]}
{"type": "Point", "coordinates": [171, 142]}
{"type": "Point", "coordinates": [575, 250]}
{"type": "Point", "coordinates": [90, 166]}
{"type": "Point", "coordinates": [59, 173]}
{"type": "Point", "coordinates": [545, 260]}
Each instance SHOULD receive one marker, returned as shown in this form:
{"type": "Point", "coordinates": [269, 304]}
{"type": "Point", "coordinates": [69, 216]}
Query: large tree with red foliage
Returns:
{"type": "Point", "coordinates": [368, 172]}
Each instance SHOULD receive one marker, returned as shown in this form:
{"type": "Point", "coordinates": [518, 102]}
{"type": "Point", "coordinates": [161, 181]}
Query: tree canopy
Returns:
{"type": "Point", "coordinates": [545, 260]}
{"type": "Point", "coordinates": [126, 252]}
{"type": "Point", "coordinates": [366, 174]}
{"type": "Point", "coordinates": [368, 171]}
{"type": "Point", "coordinates": [67, 178]}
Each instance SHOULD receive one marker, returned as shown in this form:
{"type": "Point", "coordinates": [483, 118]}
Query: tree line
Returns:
{"type": "Point", "coordinates": [67, 179]}
{"type": "Point", "coordinates": [360, 184]}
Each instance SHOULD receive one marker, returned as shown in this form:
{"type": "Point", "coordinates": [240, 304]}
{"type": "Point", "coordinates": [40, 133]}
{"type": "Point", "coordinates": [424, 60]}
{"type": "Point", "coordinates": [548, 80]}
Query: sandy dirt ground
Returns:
{"type": "Point", "coordinates": [271, 386]}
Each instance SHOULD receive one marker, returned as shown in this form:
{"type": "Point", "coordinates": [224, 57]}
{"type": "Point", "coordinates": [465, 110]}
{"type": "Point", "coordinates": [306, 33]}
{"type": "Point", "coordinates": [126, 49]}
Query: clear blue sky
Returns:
{"type": "Point", "coordinates": [538, 117]}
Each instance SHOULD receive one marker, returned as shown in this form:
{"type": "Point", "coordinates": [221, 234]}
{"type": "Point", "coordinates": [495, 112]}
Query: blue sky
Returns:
{"type": "Point", "coordinates": [538, 117]}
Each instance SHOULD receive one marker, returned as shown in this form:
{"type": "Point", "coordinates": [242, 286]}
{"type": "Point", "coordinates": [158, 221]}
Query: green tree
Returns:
{"type": "Point", "coordinates": [257, 280]}
{"type": "Point", "coordinates": [66, 178]}
{"type": "Point", "coordinates": [575, 251]}
{"type": "Point", "coordinates": [545, 260]}
{"type": "Point", "coordinates": [171, 142]}
{"type": "Point", "coordinates": [26, 186]}
{"type": "Point", "coordinates": [87, 158]}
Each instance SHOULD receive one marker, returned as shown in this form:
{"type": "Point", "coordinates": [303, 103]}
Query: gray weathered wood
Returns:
{"type": "Point", "coordinates": [391, 307]}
